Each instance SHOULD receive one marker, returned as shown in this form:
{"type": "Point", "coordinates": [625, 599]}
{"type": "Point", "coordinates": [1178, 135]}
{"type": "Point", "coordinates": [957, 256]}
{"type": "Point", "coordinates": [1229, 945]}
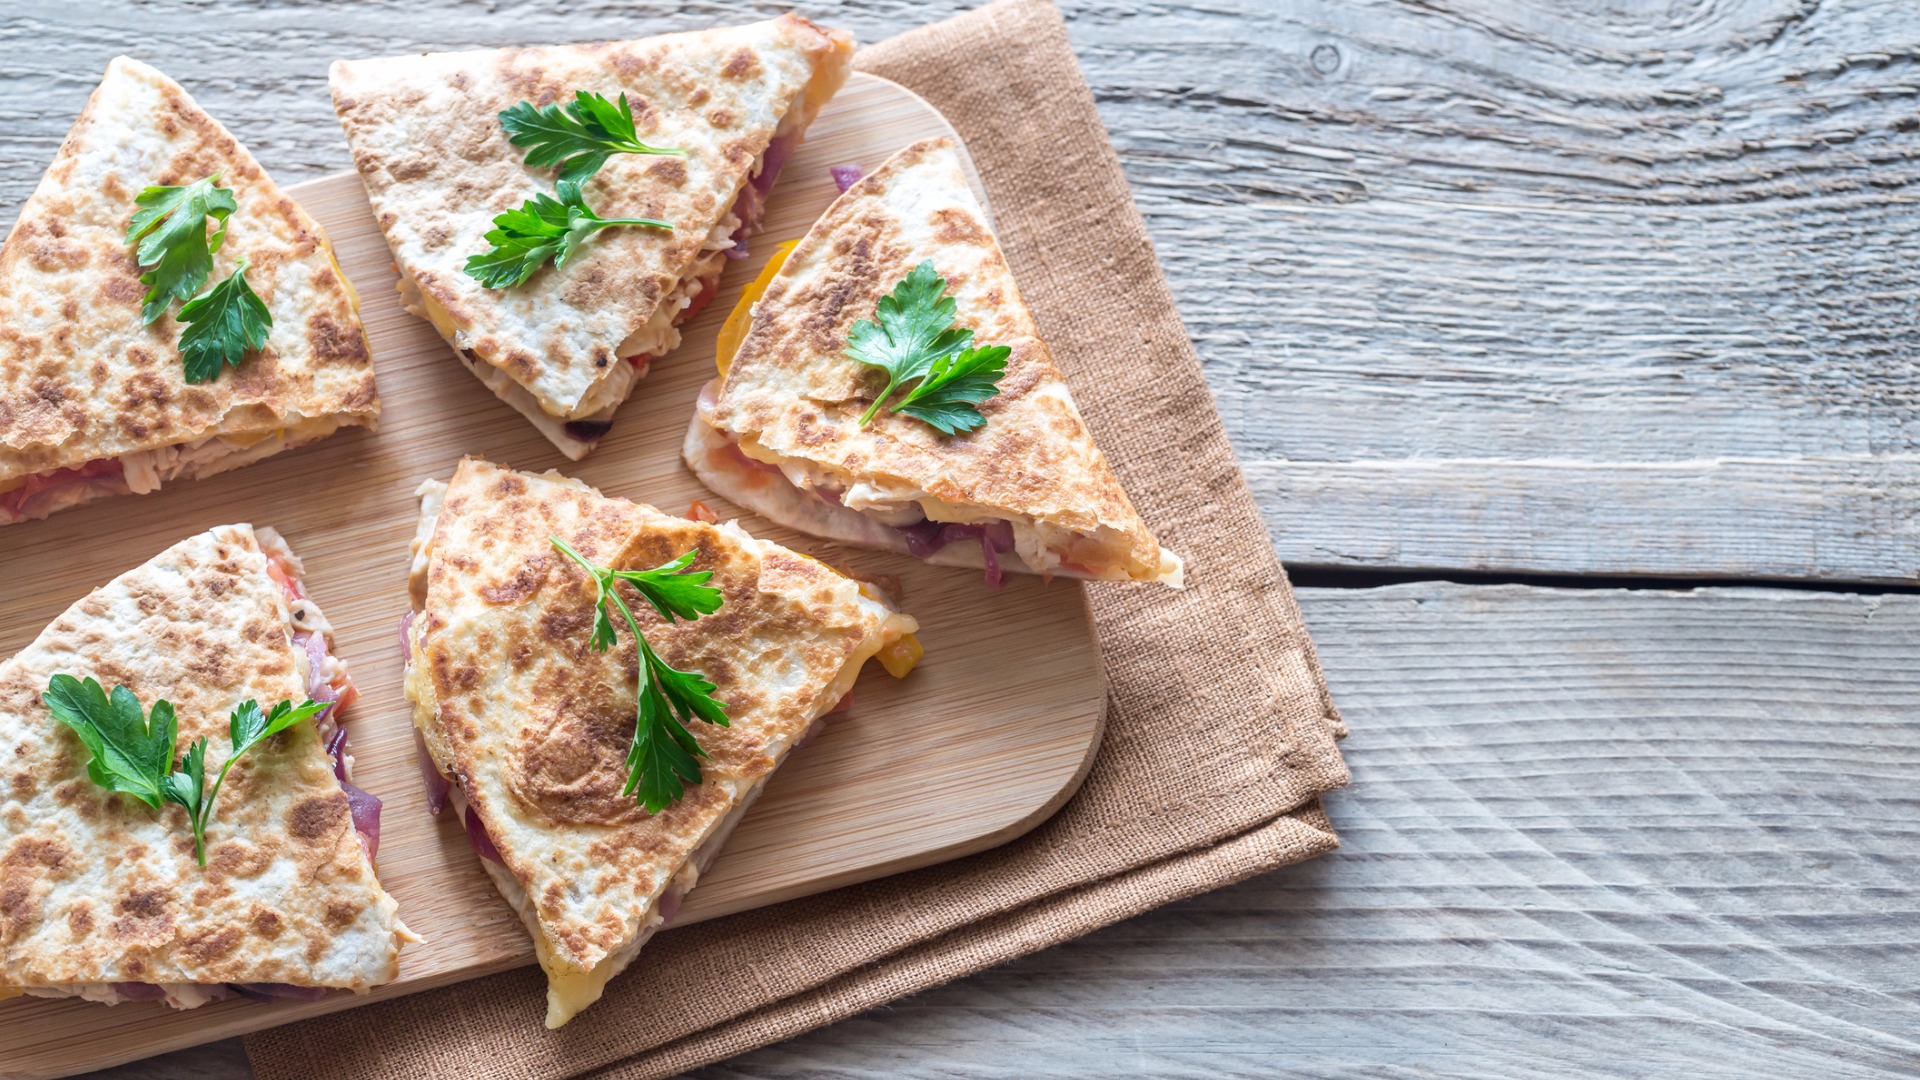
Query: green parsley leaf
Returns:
{"type": "Point", "coordinates": [673, 590]}
{"type": "Point", "coordinates": [186, 787]}
{"type": "Point", "coordinates": [133, 755]}
{"type": "Point", "coordinates": [912, 338]}
{"type": "Point", "coordinates": [955, 384]}
{"type": "Point", "coordinates": [578, 137]}
{"type": "Point", "coordinates": [224, 324]}
{"type": "Point", "coordinates": [129, 753]}
{"type": "Point", "coordinates": [663, 758]}
{"type": "Point", "coordinates": [175, 250]}
{"type": "Point", "coordinates": [541, 228]}
{"type": "Point", "coordinates": [247, 727]}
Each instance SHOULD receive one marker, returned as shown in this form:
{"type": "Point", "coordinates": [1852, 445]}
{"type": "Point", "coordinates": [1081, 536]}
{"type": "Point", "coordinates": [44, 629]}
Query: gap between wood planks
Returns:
{"type": "Point", "coordinates": [1305, 576]}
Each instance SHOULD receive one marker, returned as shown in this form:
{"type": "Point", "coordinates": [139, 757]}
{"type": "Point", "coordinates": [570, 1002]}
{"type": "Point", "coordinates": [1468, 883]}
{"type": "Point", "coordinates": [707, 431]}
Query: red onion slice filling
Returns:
{"type": "Point", "coordinates": [670, 904]}
{"type": "Point", "coordinates": [337, 750]}
{"type": "Point", "coordinates": [318, 688]}
{"type": "Point", "coordinates": [365, 807]}
{"type": "Point", "coordinates": [481, 843]}
{"type": "Point", "coordinates": [845, 176]}
{"type": "Point", "coordinates": [366, 817]}
{"type": "Point", "coordinates": [278, 991]}
{"type": "Point", "coordinates": [926, 538]}
{"type": "Point", "coordinates": [438, 786]}
{"type": "Point", "coordinates": [751, 202]}
{"type": "Point", "coordinates": [134, 991]}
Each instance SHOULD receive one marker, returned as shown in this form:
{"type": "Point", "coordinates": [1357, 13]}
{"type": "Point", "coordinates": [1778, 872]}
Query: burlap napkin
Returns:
{"type": "Point", "coordinates": [1220, 733]}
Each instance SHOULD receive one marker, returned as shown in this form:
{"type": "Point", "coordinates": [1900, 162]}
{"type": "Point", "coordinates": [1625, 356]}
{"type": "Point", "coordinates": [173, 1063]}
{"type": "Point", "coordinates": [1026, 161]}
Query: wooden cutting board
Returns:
{"type": "Point", "coordinates": [981, 743]}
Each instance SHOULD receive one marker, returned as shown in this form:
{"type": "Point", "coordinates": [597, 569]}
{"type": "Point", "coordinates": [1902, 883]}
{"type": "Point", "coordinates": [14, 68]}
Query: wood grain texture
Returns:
{"type": "Point", "coordinates": [1590, 833]}
{"type": "Point", "coordinates": [1545, 286]}
{"type": "Point", "coordinates": [961, 756]}
{"type": "Point", "coordinates": [1579, 288]}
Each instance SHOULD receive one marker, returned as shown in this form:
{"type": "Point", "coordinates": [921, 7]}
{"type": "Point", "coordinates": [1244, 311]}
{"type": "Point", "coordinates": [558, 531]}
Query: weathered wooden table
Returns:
{"type": "Point", "coordinates": [1607, 309]}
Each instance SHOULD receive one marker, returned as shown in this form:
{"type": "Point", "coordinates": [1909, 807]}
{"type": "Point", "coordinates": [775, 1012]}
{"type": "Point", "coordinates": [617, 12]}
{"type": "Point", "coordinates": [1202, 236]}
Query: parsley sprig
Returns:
{"type": "Point", "coordinates": [132, 751]}
{"type": "Point", "coordinates": [578, 137]}
{"type": "Point", "coordinates": [913, 340]}
{"type": "Point", "coordinates": [542, 228]}
{"type": "Point", "coordinates": [224, 324]}
{"type": "Point", "coordinates": [662, 760]}
{"type": "Point", "coordinates": [175, 251]}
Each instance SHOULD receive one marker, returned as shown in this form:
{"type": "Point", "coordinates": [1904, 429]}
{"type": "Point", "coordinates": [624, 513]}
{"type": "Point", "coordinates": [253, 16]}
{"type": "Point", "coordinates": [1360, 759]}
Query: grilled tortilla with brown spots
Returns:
{"type": "Point", "coordinates": [98, 889]}
{"type": "Point", "coordinates": [85, 386]}
{"type": "Point", "coordinates": [792, 399]}
{"type": "Point", "coordinates": [534, 725]}
{"type": "Point", "coordinates": [426, 136]}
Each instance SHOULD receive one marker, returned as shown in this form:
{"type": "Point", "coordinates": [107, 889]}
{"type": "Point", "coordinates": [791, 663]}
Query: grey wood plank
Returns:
{"type": "Point", "coordinates": [1620, 288]}
{"type": "Point", "coordinates": [1479, 285]}
{"type": "Point", "coordinates": [1619, 834]}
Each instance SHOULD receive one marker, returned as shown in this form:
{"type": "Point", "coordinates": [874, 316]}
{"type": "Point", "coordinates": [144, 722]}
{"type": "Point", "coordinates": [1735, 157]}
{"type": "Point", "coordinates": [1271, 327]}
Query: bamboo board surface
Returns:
{"type": "Point", "coordinates": [966, 753]}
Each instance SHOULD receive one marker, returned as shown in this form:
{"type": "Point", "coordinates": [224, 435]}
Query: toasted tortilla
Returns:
{"type": "Point", "coordinates": [790, 397]}
{"type": "Point", "coordinates": [97, 889]}
{"type": "Point", "coordinates": [534, 726]}
{"type": "Point", "coordinates": [83, 381]}
{"type": "Point", "coordinates": [426, 136]}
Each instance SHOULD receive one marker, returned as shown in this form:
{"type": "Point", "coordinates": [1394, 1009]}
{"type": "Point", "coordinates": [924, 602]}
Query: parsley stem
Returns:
{"type": "Point", "coordinates": [867, 416]}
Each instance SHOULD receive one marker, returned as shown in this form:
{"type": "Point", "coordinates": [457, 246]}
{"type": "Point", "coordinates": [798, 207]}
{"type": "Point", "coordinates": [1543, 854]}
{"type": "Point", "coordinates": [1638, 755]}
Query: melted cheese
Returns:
{"type": "Point", "coordinates": [900, 656]}
{"type": "Point", "coordinates": [346, 286]}
{"type": "Point", "coordinates": [146, 470]}
{"type": "Point", "coordinates": [741, 318]}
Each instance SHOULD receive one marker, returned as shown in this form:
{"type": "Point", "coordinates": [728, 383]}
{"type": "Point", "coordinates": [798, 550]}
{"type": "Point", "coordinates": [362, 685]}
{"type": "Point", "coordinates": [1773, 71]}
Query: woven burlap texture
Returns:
{"type": "Point", "coordinates": [1220, 733]}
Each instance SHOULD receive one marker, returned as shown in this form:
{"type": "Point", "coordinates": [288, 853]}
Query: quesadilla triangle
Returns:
{"type": "Point", "coordinates": [93, 400]}
{"type": "Point", "coordinates": [566, 347]}
{"type": "Point", "coordinates": [101, 896]}
{"type": "Point", "coordinates": [780, 433]}
{"type": "Point", "coordinates": [534, 725]}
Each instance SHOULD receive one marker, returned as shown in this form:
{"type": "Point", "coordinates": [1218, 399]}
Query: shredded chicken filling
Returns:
{"type": "Point", "coordinates": [1043, 547]}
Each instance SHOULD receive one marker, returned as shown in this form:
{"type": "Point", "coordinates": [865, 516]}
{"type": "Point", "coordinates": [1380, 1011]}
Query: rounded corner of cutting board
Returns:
{"type": "Point", "coordinates": [434, 413]}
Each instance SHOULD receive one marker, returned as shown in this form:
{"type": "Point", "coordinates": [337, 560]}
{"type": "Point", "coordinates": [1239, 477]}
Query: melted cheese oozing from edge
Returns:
{"type": "Point", "coordinates": [346, 285]}
{"type": "Point", "coordinates": [740, 319]}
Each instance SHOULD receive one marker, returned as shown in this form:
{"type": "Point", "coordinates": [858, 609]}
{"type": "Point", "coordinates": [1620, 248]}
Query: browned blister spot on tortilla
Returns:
{"type": "Point", "coordinates": [145, 917]}
{"type": "Point", "coordinates": [238, 859]}
{"type": "Point", "coordinates": [572, 766]}
{"type": "Point", "coordinates": [743, 63]}
{"type": "Point", "coordinates": [669, 171]}
{"type": "Point", "coordinates": [526, 581]}
{"type": "Point", "coordinates": [318, 818]}
{"type": "Point", "coordinates": [343, 912]}
{"type": "Point", "coordinates": [335, 340]}
{"type": "Point", "coordinates": [211, 945]}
